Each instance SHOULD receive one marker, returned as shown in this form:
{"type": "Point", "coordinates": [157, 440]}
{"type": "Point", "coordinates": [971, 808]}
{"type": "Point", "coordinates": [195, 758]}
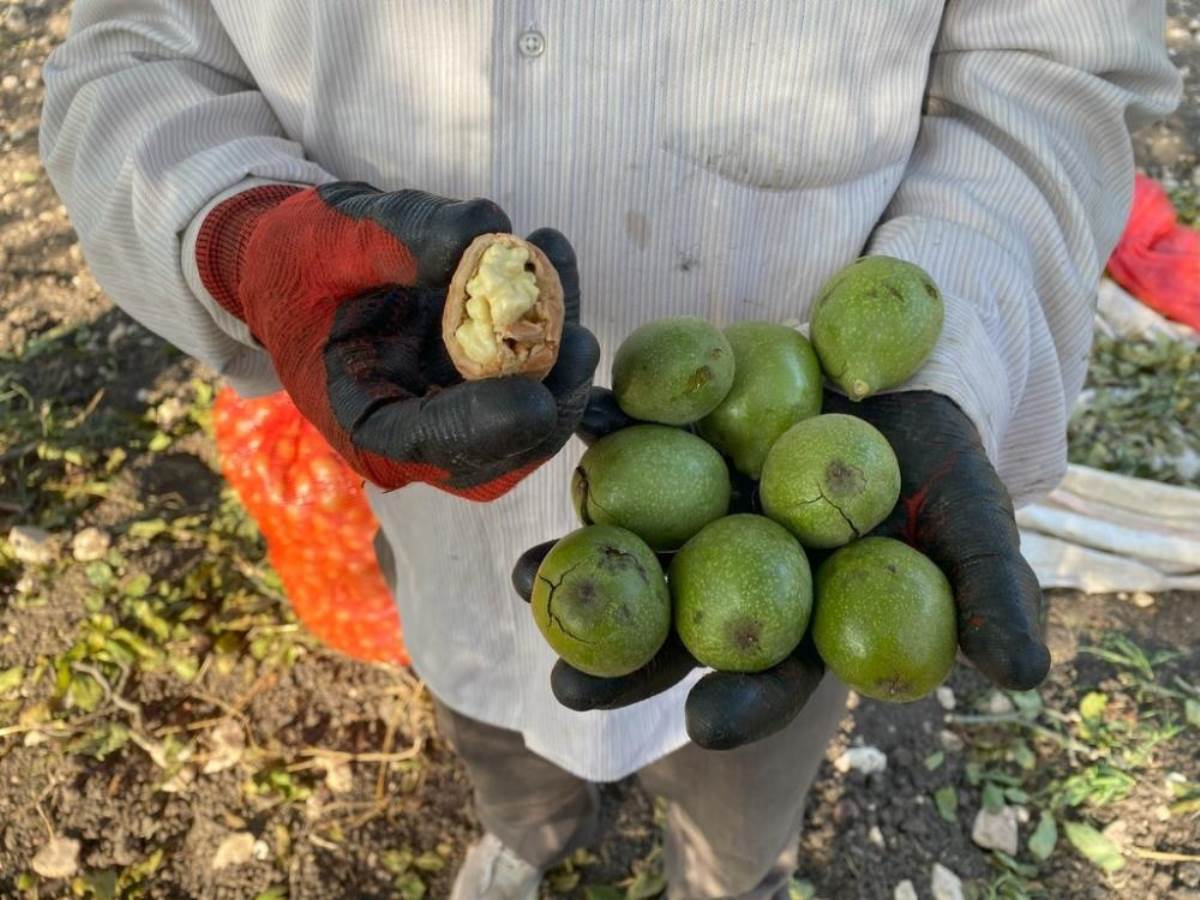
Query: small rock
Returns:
{"type": "Point", "coordinates": [998, 704]}
{"type": "Point", "coordinates": [15, 20]}
{"type": "Point", "coordinates": [875, 836]}
{"type": "Point", "coordinates": [169, 413]}
{"type": "Point", "coordinates": [1178, 35]}
{"type": "Point", "coordinates": [950, 741]}
{"type": "Point", "coordinates": [90, 544]}
{"type": "Point", "coordinates": [945, 696]}
{"type": "Point", "coordinates": [226, 741]}
{"type": "Point", "coordinates": [32, 545]}
{"type": "Point", "coordinates": [236, 849]}
{"type": "Point", "coordinates": [944, 884]}
{"type": "Point", "coordinates": [996, 830]}
{"type": "Point", "coordinates": [867, 760]}
{"type": "Point", "coordinates": [59, 25]}
{"type": "Point", "coordinates": [1162, 812]}
{"type": "Point", "coordinates": [261, 850]}
{"type": "Point", "coordinates": [339, 778]}
{"type": "Point", "coordinates": [904, 891]}
{"type": "Point", "coordinates": [59, 858]}
{"type": "Point", "coordinates": [180, 781]}
{"type": "Point", "coordinates": [1167, 149]}
{"type": "Point", "coordinates": [1117, 831]}
{"type": "Point", "coordinates": [10, 82]}
{"type": "Point", "coordinates": [1022, 814]}
{"type": "Point", "coordinates": [1143, 600]}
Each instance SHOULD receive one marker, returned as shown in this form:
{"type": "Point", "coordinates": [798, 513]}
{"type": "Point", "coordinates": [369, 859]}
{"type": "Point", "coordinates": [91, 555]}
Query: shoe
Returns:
{"type": "Point", "coordinates": [493, 872]}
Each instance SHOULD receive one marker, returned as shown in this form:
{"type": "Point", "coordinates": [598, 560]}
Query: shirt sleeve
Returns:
{"type": "Point", "coordinates": [1018, 188]}
{"type": "Point", "coordinates": [151, 115]}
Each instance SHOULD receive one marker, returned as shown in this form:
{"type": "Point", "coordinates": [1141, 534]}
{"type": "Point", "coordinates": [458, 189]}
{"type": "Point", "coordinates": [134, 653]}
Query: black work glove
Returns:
{"type": "Point", "coordinates": [343, 285]}
{"type": "Point", "coordinates": [953, 508]}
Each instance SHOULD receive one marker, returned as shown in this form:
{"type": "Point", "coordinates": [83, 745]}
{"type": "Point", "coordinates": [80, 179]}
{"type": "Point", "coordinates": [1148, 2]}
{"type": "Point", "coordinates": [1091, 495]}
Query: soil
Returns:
{"type": "Point", "coordinates": [325, 778]}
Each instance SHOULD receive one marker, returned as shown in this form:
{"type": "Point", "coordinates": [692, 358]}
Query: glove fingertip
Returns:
{"type": "Point", "coordinates": [573, 689]}
{"type": "Point", "coordinates": [602, 416]}
{"type": "Point", "coordinates": [561, 254]}
{"type": "Point", "coordinates": [578, 356]}
{"type": "Point", "coordinates": [524, 573]}
{"type": "Point", "coordinates": [1015, 664]}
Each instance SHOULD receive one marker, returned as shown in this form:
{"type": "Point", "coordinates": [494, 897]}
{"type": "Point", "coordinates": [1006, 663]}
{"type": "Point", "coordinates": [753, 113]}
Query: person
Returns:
{"type": "Point", "coordinates": [263, 184]}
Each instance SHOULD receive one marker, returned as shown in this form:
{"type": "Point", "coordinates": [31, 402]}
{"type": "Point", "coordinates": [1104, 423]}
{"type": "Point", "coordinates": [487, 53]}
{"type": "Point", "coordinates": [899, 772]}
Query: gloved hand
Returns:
{"type": "Point", "coordinates": [343, 285]}
{"type": "Point", "coordinates": [953, 507]}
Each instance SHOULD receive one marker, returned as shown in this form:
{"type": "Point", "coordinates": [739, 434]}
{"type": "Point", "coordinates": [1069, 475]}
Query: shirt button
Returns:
{"type": "Point", "coordinates": [532, 43]}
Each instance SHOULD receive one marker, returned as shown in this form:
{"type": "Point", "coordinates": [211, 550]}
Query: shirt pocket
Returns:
{"type": "Point", "coordinates": [793, 95]}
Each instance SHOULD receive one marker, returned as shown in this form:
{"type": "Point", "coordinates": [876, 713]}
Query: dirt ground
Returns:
{"type": "Point", "coordinates": [167, 730]}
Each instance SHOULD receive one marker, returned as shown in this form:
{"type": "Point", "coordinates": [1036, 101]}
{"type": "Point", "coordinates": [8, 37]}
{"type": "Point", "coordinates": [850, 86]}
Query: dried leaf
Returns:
{"type": "Point", "coordinates": [1044, 838]}
{"type": "Point", "coordinates": [1140, 410]}
{"type": "Point", "coordinates": [429, 862]}
{"type": "Point", "coordinates": [1094, 846]}
{"type": "Point", "coordinates": [946, 801]}
{"type": "Point", "coordinates": [102, 884]}
{"type": "Point", "coordinates": [236, 849]}
{"type": "Point", "coordinates": [561, 882]}
{"type": "Point", "coordinates": [1016, 795]}
{"type": "Point", "coordinates": [410, 886]}
{"type": "Point", "coordinates": [993, 797]}
{"type": "Point", "coordinates": [105, 739]}
{"type": "Point", "coordinates": [1028, 703]}
{"type": "Point", "coordinates": [1092, 706]}
{"type": "Point", "coordinates": [59, 858]}
{"type": "Point", "coordinates": [396, 861]}
{"type": "Point", "coordinates": [10, 679]}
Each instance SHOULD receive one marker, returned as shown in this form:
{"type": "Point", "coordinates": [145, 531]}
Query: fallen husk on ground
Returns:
{"type": "Point", "coordinates": [1139, 413]}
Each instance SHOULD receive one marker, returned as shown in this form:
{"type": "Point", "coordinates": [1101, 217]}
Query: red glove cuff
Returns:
{"type": "Point", "coordinates": [224, 233]}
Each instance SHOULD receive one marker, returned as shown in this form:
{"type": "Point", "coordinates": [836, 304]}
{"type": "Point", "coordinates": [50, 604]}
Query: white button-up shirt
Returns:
{"type": "Point", "coordinates": [718, 159]}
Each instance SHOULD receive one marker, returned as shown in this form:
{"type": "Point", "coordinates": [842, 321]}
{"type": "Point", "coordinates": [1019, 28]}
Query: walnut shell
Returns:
{"type": "Point", "coordinates": [529, 347]}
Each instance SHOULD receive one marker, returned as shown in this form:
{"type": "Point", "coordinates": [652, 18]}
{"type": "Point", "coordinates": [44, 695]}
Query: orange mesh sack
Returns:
{"type": "Point", "coordinates": [313, 514]}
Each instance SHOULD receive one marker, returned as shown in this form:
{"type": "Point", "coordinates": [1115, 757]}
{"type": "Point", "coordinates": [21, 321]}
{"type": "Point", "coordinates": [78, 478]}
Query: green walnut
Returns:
{"type": "Point", "coordinates": [830, 479]}
{"type": "Point", "coordinates": [776, 383]}
{"type": "Point", "coordinates": [661, 483]}
{"type": "Point", "coordinates": [885, 620]}
{"type": "Point", "coordinates": [742, 594]}
{"type": "Point", "coordinates": [600, 600]}
{"type": "Point", "coordinates": [673, 371]}
{"type": "Point", "coordinates": [875, 323]}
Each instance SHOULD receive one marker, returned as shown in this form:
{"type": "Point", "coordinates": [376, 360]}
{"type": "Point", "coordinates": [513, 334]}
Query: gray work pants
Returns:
{"type": "Point", "coordinates": [733, 816]}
